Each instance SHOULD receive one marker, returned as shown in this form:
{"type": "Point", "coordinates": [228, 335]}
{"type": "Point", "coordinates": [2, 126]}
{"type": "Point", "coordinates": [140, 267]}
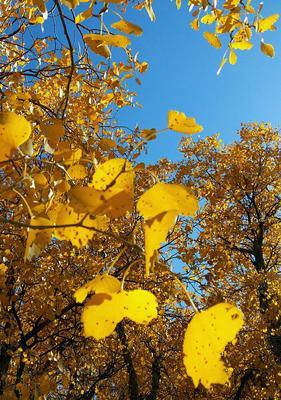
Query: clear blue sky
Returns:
{"type": "Point", "coordinates": [182, 76]}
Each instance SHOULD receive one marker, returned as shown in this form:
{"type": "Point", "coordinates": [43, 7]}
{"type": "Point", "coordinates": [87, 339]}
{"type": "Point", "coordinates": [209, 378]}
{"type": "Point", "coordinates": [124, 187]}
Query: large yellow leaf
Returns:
{"type": "Point", "coordinates": [159, 207]}
{"type": "Point", "coordinates": [109, 40]}
{"type": "Point", "coordinates": [107, 173]}
{"type": "Point", "coordinates": [205, 339]}
{"type": "Point", "coordinates": [179, 122]}
{"type": "Point", "coordinates": [127, 27]}
{"type": "Point", "coordinates": [14, 131]}
{"type": "Point", "coordinates": [164, 197]}
{"type": "Point", "coordinates": [101, 315]}
{"type": "Point", "coordinates": [78, 236]}
{"type": "Point", "coordinates": [139, 305]}
{"type": "Point", "coordinates": [212, 39]}
{"type": "Point", "coordinates": [100, 284]}
{"type": "Point", "coordinates": [104, 311]}
{"type": "Point", "coordinates": [155, 233]}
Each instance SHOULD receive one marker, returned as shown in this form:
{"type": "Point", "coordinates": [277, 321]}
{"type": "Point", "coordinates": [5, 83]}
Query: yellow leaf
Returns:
{"type": "Point", "coordinates": [14, 131]}
{"type": "Point", "coordinates": [179, 122]}
{"type": "Point", "coordinates": [178, 4]}
{"type": "Point", "coordinates": [208, 19]}
{"type": "Point", "coordinates": [109, 40]}
{"type": "Point", "coordinates": [78, 236]}
{"type": "Point", "coordinates": [265, 24]}
{"type": "Point", "coordinates": [139, 305]}
{"type": "Point", "coordinates": [267, 49]}
{"type": "Point", "coordinates": [195, 24]}
{"type": "Point", "coordinates": [232, 57]}
{"type": "Point", "coordinates": [212, 39]}
{"type": "Point", "coordinates": [3, 269]}
{"type": "Point", "coordinates": [84, 15]}
{"type": "Point", "coordinates": [164, 197]}
{"type": "Point", "coordinates": [244, 45]}
{"type": "Point", "coordinates": [104, 311]}
{"type": "Point", "coordinates": [98, 47]}
{"type": "Point", "coordinates": [155, 233]}
{"type": "Point", "coordinates": [101, 314]}
{"type": "Point", "coordinates": [70, 3]}
{"type": "Point", "coordinates": [77, 171]}
{"type": "Point", "coordinates": [127, 27]}
{"type": "Point", "coordinates": [107, 173]}
{"type": "Point", "coordinates": [100, 284]}
{"type": "Point", "coordinates": [205, 339]}
{"type": "Point", "coordinates": [37, 239]}
{"type": "Point", "coordinates": [159, 206]}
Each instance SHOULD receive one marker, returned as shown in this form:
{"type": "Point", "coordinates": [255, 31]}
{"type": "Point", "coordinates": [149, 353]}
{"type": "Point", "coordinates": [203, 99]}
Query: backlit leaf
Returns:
{"type": "Point", "coordinates": [212, 39]}
{"type": "Point", "coordinates": [14, 131]}
{"type": "Point", "coordinates": [179, 122]}
{"type": "Point", "coordinates": [205, 339]}
{"type": "Point", "coordinates": [127, 27]}
{"type": "Point", "coordinates": [267, 49]}
{"type": "Point", "coordinates": [100, 284]}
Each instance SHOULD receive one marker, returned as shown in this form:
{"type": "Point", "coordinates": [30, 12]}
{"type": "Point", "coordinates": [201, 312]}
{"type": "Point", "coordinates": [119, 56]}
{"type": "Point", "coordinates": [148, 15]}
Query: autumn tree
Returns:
{"type": "Point", "coordinates": [90, 306]}
{"type": "Point", "coordinates": [235, 254]}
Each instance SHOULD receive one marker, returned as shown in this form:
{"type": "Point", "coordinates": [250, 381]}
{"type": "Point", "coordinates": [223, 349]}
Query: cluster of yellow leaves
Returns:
{"type": "Point", "coordinates": [110, 305]}
{"type": "Point", "coordinates": [238, 19]}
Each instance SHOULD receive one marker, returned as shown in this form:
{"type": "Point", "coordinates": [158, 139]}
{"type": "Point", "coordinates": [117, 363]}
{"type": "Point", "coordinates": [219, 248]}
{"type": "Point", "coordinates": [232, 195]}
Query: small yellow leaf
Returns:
{"type": "Point", "coordinates": [205, 339]}
{"type": "Point", "coordinates": [232, 57]}
{"type": "Point", "coordinates": [77, 171]}
{"type": "Point", "coordinates": [212, 39]}
{"type": "Point", "coordinates": [127, 27]}
{"type": "Point", "coordinates": [179, 122]}
{"type": "Point", "coordinates": [265, 24]}
{"type": "Point", "coordinates": [100, 284]}
{"type": "Point", "coordinates": [109, 40]}
{"type": "Point", "coordinates": [267, 49]}
{"type": "Point", "coordinates": [84, 15]}
{"type": "Point", "coordinates": [243, 45]}
{"type": "Point", "coordinates": [178, 4]}
{"type": "Point", "coordinates": [71, 3]}
{"type": "Point", "coordinates": [14, 131]}
{"type": "Point", "coordinates": [208, 19]}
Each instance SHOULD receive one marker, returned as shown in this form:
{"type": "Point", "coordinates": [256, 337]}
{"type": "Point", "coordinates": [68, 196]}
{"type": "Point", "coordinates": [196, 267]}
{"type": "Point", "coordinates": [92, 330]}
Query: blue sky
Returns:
{"type": "Point", "coordinates": [182, 76]}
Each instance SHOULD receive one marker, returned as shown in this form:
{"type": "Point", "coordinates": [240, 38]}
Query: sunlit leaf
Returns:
{"type": "Point", "coordinates": [267, 49]}
{"type": "Point", "coordinates": [14, 131]}
{"type": "Point", "coordinates": [100, 284]}
{"type": "Point", "coordinates": [212, 39]}
{"type": "Point", "coordinates": [205, 339]}
{"type": "Point", "coordinates": [127, 27]}
{"type": "Point", "coordinates": [179, 122]}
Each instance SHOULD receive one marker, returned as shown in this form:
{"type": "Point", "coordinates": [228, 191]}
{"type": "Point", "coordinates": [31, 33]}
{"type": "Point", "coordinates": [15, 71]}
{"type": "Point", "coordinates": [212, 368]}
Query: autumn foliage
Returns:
{"type": "Point", "coordinates": [90, 305]}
